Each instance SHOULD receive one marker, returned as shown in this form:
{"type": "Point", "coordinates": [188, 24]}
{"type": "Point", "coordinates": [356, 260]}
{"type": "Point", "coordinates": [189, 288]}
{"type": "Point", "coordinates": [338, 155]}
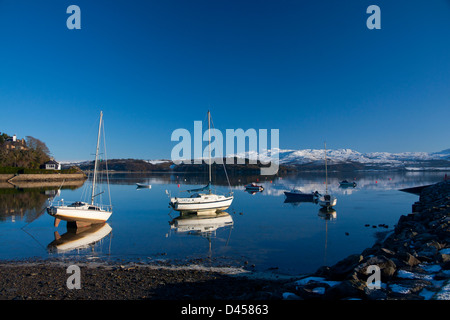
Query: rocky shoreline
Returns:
{"type": "Point", "coordinates": [412, 263]}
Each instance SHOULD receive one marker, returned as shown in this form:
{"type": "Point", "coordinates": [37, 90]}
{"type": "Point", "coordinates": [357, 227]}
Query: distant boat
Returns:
{"type": "Point", "coordinates": [83, 213]}
{"type": "Point", "coordinates": [199, 202]}
{"type": "Point", "coordinates": [253, 187]}
{"type": "Point", "coordinates": [345, 183]}
{"type": "Point", "coordinates": [327, 201]}
{"type": "Point", "coordinates": [296, 194]}
{"type": "Point", "coordinates": [142, 185]}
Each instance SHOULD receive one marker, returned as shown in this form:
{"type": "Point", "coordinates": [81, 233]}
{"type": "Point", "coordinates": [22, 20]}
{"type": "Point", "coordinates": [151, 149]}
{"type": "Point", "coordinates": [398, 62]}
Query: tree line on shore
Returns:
{"type": "Point", "coordinates": [29, 153]}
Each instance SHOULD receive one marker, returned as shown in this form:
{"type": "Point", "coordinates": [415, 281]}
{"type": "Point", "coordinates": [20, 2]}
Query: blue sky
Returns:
{"type": "Point", "coordinates": [311, 69]}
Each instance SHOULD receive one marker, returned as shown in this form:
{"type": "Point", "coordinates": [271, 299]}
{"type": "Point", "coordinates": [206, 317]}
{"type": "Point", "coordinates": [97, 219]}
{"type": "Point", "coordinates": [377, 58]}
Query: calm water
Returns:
{"type": "Point", "coordinates": [266, 233]}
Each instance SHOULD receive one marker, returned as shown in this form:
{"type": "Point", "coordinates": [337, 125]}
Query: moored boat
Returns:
{"type": "Point", "coordinates": [345, 183]}
{"type": "Point", "coordinates": [143, 185]}
{"type": "Point", "coordinates": [327, 201]}
{"type": "Point", "coordinates": [81, 213]}
{"type": "Point", "coordinates": [301, 196]}
{"type": "Point", "coordinates": [203, 203]}
{"type": "Point", "coordinates": [254, 187]}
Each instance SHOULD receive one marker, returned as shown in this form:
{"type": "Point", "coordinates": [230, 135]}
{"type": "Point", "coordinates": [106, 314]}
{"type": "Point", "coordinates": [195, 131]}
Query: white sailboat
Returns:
{"type": "Point", "coordinates": [327, 201]}
{"type": "Point", "coordinates": [82, 213]}
{"type": "Point", "coordinates": [203, 203]}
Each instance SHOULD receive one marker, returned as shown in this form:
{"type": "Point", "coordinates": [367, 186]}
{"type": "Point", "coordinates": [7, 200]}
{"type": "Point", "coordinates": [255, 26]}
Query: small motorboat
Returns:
{"type": "Point", "coordinates": [299, 195]}
{"type": "Point", "coordinates": [345, 183]}
{"type": "Point", "coordinates": [253, 187]}
{"type": "Point", "coordinates": [142, 185]}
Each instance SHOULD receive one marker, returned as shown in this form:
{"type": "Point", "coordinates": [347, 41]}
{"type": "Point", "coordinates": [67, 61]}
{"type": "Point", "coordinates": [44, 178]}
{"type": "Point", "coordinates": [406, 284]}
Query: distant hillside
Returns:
{"type": "Point", "coordinates": [136, 165]}
{"type": "Point", "coordinates": [126, 165]}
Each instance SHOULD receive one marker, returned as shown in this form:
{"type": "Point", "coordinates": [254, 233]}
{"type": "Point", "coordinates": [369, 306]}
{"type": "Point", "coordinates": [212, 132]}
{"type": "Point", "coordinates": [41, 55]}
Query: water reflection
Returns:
{"type": "Point", "coordinates": [18, 203]}
{"type": "Point", "coordinates": [306, 182]}
{"type": "Point", "coordinates": [89, 237]}
{"type": "Point", "coordinates": [327, 214]}
{"type": "Point", "coordinates": [205, 226]}
{"type": "Point", "coordinates": [296, 202]}
{"type": "Point", "coordinates": [252, 192]}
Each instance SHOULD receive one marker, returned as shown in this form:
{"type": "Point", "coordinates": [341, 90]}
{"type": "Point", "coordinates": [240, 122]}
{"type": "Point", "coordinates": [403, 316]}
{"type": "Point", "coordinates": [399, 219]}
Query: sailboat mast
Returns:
{"type": "Point", "coordinates": [209, 145]}
{"type": "Point", "coordinates": [326, 170]}
{"type": "Point", "coordinates": [96, 158]}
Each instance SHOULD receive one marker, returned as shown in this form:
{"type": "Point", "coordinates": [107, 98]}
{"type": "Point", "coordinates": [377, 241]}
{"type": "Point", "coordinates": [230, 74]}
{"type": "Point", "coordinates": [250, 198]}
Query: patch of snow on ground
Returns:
{"type": "Point", "coordinates": [431, 268]}
{"type": "Point", "coordinates": [399, 289]}
{"type": "Point", "coordinates": [410, 275]}
{"type": "Point", "coordinates": [444, 293]}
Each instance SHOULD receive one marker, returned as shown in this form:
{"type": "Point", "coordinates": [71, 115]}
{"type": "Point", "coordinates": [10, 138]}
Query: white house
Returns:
{"type": "Point", "coordinates": [52, 165]}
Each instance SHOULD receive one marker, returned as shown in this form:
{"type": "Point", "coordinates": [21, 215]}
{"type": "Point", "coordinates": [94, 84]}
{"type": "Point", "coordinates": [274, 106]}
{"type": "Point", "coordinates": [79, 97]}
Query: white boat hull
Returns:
{"type": "Point", "coordinates": [79, 214]}
{"type": "Point", "coordinates": [327, 203]}
{"type": "Point", "coordinates": [204, 204]}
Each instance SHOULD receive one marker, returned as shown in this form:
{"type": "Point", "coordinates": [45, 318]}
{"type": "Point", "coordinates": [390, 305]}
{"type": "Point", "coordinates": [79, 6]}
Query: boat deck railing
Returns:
{"type": "Point", "coordinates": [74, 204]}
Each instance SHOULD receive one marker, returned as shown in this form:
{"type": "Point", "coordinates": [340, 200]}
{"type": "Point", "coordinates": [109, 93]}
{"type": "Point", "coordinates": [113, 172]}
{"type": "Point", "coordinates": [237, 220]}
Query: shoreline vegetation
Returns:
{"type": "Point", "coordinates": [413, 263]}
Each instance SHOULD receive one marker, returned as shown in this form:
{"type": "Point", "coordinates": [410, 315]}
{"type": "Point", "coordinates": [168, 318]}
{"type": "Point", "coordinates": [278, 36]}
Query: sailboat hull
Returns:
{"type": "Point", "coordinates": [81, 214]}
{"type": "Point", "coordinates": [327, 203]}
{"type": "Point", "coordinates": [202, 204]}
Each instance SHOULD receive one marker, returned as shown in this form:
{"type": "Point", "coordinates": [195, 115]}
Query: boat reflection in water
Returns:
{"type": "Point", "coordinates": [327, 213]}
{"type": "Point", "coordinates": [79, 238]}
{"type": "Point", "coordinates": [296, 201]}
{"type": "Point", "coordinates": [202, 225]}
{"type": "Point", "coordinates": [252, 192]}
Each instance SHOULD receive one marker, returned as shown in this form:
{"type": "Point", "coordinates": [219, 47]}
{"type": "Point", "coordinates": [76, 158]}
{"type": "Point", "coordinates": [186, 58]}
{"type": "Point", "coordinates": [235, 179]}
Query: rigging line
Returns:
{"type": "Point", "coordinates": [59, 191]}
{"type": "Point", "coordinates": [37, 216]}
{"type": "Point", "coordinates": [223, 163]}
{"type": "Point", "coordinates": [43, 247]}
{"type": "Point", "coordinates": [106, 165]}
{"type": "Point", "coordinates": [85, 190]}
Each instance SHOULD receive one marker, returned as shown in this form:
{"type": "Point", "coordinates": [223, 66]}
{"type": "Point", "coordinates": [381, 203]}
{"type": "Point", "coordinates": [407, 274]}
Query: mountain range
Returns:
{"type": "Point", "coordinates": [313, 158]}
{"type": "Point", "coordinates": [301, 160]}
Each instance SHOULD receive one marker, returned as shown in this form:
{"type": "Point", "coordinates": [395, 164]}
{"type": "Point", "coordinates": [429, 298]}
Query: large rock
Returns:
{"type": "Point", "coordinates": [387, 268]}
{"type": "Point", "coordinates": [346, 289]}
{"type": "Point", "coordinates": [344, 268]}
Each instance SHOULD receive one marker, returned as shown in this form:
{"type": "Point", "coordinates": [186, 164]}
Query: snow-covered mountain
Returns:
{"type": "Point", "coordinates": [307, 156]}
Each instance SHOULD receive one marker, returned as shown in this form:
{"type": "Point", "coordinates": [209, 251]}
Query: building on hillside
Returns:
{"type": "Point", "coordinates": [52, 165]}
{"type": "Point", "coordinates": [15, 144]}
